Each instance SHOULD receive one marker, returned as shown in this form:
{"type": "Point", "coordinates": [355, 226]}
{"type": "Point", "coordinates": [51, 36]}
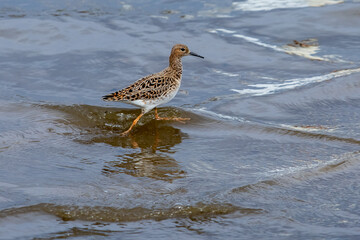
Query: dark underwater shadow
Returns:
{"type": "Point", "coordinates": [154, 139]}
{"type": "Point", "coordinates": [156, 142]}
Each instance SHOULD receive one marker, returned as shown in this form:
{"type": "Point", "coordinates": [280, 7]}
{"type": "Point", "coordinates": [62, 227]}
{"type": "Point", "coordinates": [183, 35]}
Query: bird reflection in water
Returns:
{"type": "Point", "coordinates": [156, 143]}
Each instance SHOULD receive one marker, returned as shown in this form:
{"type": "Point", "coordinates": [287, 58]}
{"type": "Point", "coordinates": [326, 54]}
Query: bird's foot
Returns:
{"type": "Point", "coordinates": [124, 134]}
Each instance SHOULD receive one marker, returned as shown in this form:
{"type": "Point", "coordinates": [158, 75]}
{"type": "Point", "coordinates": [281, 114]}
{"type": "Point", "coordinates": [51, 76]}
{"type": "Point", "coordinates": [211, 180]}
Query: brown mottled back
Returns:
{"type": "Point", "coordinates": [149, 87]}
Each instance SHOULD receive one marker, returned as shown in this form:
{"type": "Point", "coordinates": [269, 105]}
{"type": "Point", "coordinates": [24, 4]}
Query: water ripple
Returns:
{"type": "Point", "coordinates": [272, 88]}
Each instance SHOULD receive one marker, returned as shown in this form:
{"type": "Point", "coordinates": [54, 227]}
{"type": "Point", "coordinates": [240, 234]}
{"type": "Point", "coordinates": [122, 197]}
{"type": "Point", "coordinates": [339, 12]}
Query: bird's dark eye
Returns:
{"type": "Point", "coordinates": [182, 49]}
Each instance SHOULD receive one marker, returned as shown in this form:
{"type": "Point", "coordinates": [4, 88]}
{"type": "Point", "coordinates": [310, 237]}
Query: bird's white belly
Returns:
{"type": "Point", "coordinates": [149, 104]}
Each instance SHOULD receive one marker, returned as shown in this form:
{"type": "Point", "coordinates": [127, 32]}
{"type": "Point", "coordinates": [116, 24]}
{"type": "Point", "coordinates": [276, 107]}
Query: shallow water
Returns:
{"type": "Point", "coordinates": [271, 151]}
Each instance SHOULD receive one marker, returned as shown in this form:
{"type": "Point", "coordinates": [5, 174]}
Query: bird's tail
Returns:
{"type": "Point", "coordinates": [116, 96]}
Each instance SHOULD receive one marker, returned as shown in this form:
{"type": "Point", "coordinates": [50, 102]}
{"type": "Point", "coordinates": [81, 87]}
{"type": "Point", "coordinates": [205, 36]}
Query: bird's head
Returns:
{"type": "Point", "coordinates": [181, 50]}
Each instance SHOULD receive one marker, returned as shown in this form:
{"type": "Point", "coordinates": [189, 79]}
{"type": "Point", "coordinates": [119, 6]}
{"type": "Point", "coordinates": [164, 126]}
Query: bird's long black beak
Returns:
{"type": "Point", "coordinates": [196, 55]}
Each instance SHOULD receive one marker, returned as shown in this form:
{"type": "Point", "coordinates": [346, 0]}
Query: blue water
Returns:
{"type": "Point", "coordinates": [271, 150]}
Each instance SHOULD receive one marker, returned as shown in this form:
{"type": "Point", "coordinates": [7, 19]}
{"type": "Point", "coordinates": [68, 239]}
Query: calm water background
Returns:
{"type": "Point", "coordinates": [271, 151]}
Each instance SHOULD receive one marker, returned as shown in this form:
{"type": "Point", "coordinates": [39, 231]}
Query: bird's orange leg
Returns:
{"type": "Point", "coordinates": [132, 125]}
{"type": "Point", "coordinates": [171, 119]}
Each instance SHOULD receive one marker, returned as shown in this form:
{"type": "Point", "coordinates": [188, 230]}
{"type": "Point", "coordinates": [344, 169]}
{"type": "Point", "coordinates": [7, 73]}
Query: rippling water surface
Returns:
{"type": "Point", "coordinates": [271, 151]}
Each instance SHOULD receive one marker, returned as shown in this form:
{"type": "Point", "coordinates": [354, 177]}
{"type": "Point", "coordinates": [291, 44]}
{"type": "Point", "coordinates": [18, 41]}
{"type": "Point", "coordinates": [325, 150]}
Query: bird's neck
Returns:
{"type": "Point", "coordinates": [175, 64]}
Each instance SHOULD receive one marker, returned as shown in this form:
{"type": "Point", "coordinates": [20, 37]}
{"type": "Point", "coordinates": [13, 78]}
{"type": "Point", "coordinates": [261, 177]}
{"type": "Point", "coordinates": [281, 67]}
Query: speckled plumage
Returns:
{"type": "Point", "coordinates": [155, 89]}
{"type": "Point", "coordinates": [149, 90]}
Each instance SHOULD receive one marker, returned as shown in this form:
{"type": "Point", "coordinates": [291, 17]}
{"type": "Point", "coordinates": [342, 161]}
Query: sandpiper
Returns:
{"type": "Point", "coordinates": [155, 89]}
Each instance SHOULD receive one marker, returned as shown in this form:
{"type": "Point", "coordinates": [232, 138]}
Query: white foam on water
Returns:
{"type": "Point", "coordinates": [222, 30]}
{"type": "Point", "coordinates": [258, 42]}
{"type": "Point", "coordinates": [308, 128]}
{"type": "Point", "coordinates": [313, 169]}
{"type": "Point", "coordinates": [306, 52]}
{"type": "Point", "coordinates": [219, 115]}
{"type": "Point", "coordinates": [271, 88]}
{"type": "Point", "coordinates": [255, 5]}
{"type": "Point", "coordinates": [291, 170]}
{"type": "Point", "coordinates": [226, 73]}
